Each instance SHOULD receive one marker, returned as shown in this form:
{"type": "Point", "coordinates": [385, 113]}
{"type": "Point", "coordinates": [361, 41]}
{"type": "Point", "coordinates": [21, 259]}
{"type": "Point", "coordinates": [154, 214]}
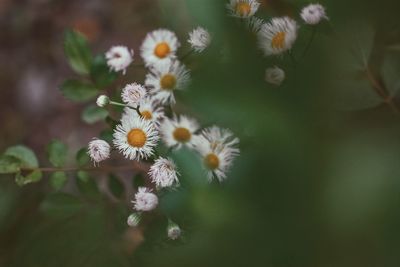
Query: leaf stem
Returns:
{"type": "Point", "coordinates": [313, 33]}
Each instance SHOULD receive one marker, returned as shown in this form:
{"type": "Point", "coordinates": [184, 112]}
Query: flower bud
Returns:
{"type": "Point", "coordinates": [173, 230]}
{"type": "Point", "coordinates": [103, 101]}
{"type": "Point", "coordinates": [134, 219]}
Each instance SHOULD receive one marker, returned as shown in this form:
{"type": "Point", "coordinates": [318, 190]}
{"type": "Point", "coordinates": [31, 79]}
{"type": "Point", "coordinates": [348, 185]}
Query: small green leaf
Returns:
{"type": "Point", "coordinates": [78, 91]}
{"type": "Point", "coordinates": [58, 180]}
{"type": "Point", "coordinates": [107, 135]}
{"type": "Point", "coordinates": [24, 154]}
{"type": "Point", "coordinates": [57, 153]}
{"type": "Point", "coordinates": [93, 114]}
{"type": "Point", "coordinates": [9, 165]}
{"type": "Point", "coordinates": [61, 205]}
{"type": "Point", "coordinates": [82, 158]}
{"type": "Point", "coordinates": [138, 180]}
{"type": "Point", "coordinates": [86, 184]}
{"type": "Point", "coordinates": [101, 73]}
{"type": "Point", "coordinates": [77, 51]}
{"type": "Point", "coordinates": [32, 177]}
{"type": "Point", "coordinates": [115, 186]}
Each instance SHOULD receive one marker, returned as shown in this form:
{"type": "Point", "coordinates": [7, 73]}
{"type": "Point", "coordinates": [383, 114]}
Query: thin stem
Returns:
{"type": "Point", "coordinates": [74, 169]}
{"type": "Point", "coordinates": [187, 54]}
{"type": "Point", "coordinates": [127, 106]}
{"type": "Point", "coordinates": [314, 31]}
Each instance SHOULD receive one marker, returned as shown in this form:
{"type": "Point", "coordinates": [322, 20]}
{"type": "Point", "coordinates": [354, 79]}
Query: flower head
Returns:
{"type": "Point", "coordinates": [277, 36]}
{"type": "Point", "coordinates": [145, 200]}
{"type": "Point", "coordinates": [199, 39]}
{"type": "Point", "coordinates": [133, 93]}
{"type": "Point", "coordinates": [178, 131]}
{"type": "Point", "coordinates": [163, 172]}
{"type": "Point", "coordinates": [242, 8]}
{"type": "Point", "coordinates": [149, 109]}
{"type": "Point", "coordinates": [275, 75]}
{"type": "Point", "coordinates": [103, 101]}
{"type": "Point", "coordinates": [159, 46]}
{"type": "Point", "coordinates": [313, 14]}
{"type": "Point", "coordinates": [119, 58]}
{"type": "Point", "coordinates": [254, 24]}
{"type": "Point", "coordinates": [217, 148]}
{"type": "Point", "coordinates": [98, 150]}
{"type": "Point", "coordinates": [166, 77]}
{"type": "Point", "coordinates": [135, 138]}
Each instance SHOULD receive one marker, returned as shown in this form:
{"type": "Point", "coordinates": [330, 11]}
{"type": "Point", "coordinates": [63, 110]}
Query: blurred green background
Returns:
{"type": "Point", "coordinates": [318, 179]}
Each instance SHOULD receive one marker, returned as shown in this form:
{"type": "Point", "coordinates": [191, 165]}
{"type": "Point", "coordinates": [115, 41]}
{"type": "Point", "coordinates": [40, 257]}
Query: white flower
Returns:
{"type": "Point", "coordinates": [145, 200]}
{"type": "Point", "coordinates": [103, 101]}
{"type": "Point", "coordinates": [149, 109]}
{"type": "Point", "coordinates": [119, 58]}
{"type": "Point", "coordinates": [274, 75]}
{"type": "Point", "coordinates": [133, 93]}
{"type": "Point", "coordinates": [98, 150]}
{"type": "Point", "coordinates": [159, 46]}
{"type": "Point", "coordinates": [242, 8]}
{"type": "Point", "coordinates": [135, 138]}
{"type": "Point", "coordinates": [178, 131]}
{"type": "Point", "coordinates": [277, 36]}
{"type": "Point", "coordinates": [173, 230]}
{"type": "Point", "coordinates": [134, 219]}
{"type": "Point", "coordinates": [166, 77]}
{"type": "Point", "coordinates": [199, 39]}
{"type": "Point", "coordinates": [254, 24]}
{"type": "Point", "coordinates": [217, 148]}
{"type": "Point", "coordinates": [313, 14]}
{"type": "Point", "coordinates": [163, 172]}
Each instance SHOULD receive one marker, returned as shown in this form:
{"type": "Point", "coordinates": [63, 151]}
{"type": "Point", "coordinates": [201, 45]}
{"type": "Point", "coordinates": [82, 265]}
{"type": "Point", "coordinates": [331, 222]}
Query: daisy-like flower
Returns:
{"type": "Point", "coordinates": [159, 46]}
{"type": "Point", "coordinates": [173, 230]}
{"type": "Point", "coordinates": [135, 137]}
{"type": "Point", "coordinates": [103, 101]}
{"type": "Point", "coordinates": [254, 24]}
{"type": "Point", "coordinates": [163, 172]}
{"type": "Point", "coordinates": [242, 8]}
{"type": "Point", "coordinates": [119, 58]}
{"type": "Point", "coordinates": [133, 93]}
{"type": "Point", "coordinates": [313, 14]}
{"type": "Point", "coordinates": [179, 131]}
{"type": "Point", "coordinates": [217, 148]}
{"type": "Point", "coordinates": [166, 77]}
{"type": "Point", "coordinates": [98, 150]}
{"type": "Point", "coordinates": [277, 36]}
{"type": "Point", "coordinates": [145, 200]}
{"type": "Point", "coordinates": [199, 39]}
{"type": "Point", "coordinates": [275, 75]}
{"type": "Point", "coordinates": [149, 109]}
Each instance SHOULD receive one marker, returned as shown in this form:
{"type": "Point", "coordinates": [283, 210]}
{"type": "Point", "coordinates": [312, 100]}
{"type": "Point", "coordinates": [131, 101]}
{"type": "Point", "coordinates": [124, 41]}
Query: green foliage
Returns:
{"type": "Point", "coordinates": [82, 157]}
{"type": "Point", "coordinates": [78, 91]}
{"type": "Point", "coordinates": [58, 180]}
{"type": "Point", "coordinates": [57, 153]}
{"type": "Point", "coordinates": [9, 165]}
{"type": "Point", "coordinates": [77, 51]}
{"type": "Point", "coordinates": [115, 186]}
{"type": "Point", "coordinates": [100, 72]}
{"type": "Point", "coordinates": [24, 154]}
{"type": "Point", "coordinates": [61, 205]}
{"type": "Point", "coordinates": [32, 177]}
{"type": "Point", "coordinates": [87, 185]}
{"type": "Point", "coordinates": [93, 114]}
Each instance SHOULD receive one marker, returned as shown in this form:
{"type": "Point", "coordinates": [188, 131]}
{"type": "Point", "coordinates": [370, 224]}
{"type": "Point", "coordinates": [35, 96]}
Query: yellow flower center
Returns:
{"type": "Point", "coordinates": [162, 50]}
{"type": "Point", "coordinates": [243, 8]}
{"type": "Point", "coordinates": [211, 161]}
{"type": "Point", "coordinates": [146, 115]}
{"type": "Point", "coordinates": [137, 138]}
{"type": "Point", "coordinates": [168, 82]}
{"type": "Point", "coordinates": [278, 42]}
{"type": "Point", "coordinates": [182, 135]}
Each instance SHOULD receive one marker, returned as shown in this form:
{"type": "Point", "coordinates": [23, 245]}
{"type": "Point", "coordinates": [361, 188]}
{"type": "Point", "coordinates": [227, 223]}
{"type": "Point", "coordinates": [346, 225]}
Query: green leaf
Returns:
{"type": "Point", "coordinates": [57, 153]}
{"type": "Point", "coordinates": [107, 135]}
{"type": "Point", "coordinates": [77, 51]}
{"type": "Point", "coordinates": [82, 158]}
{"type": "Point", "coordinates": [101, 73]}
{"type": "Point", "coordinates": [32, 177]}
{"type": "Point", "coordinates": [9, 165]}
{"type": "Point", "coordinates": [78, 91]}
{"type": "Point", "coordinates": [86, 184]}
{"type": "Point", "coordinates": [93, 114]}
{"type": "Point", "coordinates": [115, 186]}
{"type": "Point", "coordinates": [138, 180]}
{"type": "Point", "coordinates": [24, 154]}
{"type": "Point", "coordinates": [58, 180]}
{"type": "Point", "coordinates": [61, 205]}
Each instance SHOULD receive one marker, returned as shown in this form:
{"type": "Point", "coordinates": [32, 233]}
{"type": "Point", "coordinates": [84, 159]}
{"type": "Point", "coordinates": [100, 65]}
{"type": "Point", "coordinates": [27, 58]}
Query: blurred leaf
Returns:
{"type": "Point", "coordinates": [93, 114]}
{"type": "Point", "coordinates": [390, 72]}
{"type": "Point", "coordinates": [100, 72]}
{"type": "Point", "coordinates": [138, 180]}
{"type": "Point", "coordinates": [32, 177]}
{"type": "Point", "coordinates": [82, 157]}
{"type": "Point", "coordinates": [77, 51]}
{"type": "Point", "coordinates": [86, 184]}
{"type": "Point", "coordinates": [78, 91]}
{"type": "Point", "coordinates": [58, 180]}
{"type": "Point", "coordinates": [9, 165]}
{"type": "Point", "coordinates": [107, 135]}
{"type": "Point", "coordinates": [57, 153]}
{"type": "Point", "coordinates": [61, 205]}
{"type": "Point", "coordinates": [115, 186]}
{"type": "Point", "coordinates": [24, 154]}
